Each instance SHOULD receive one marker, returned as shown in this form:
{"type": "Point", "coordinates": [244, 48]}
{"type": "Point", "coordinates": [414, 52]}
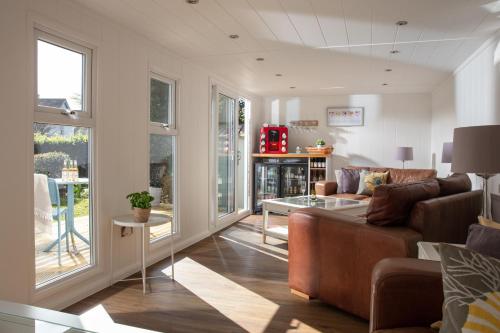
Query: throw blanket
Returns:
{"type": "Point", "coordinates": [43, 206]}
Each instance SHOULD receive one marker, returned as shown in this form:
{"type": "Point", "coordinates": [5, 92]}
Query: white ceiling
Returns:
{"type": "Point", "coordinates": [316, 44]}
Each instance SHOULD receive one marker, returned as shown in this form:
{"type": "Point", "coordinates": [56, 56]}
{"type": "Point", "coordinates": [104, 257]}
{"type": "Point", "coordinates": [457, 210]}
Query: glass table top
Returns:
{"type": "Point", "coordinates": [320, 202]}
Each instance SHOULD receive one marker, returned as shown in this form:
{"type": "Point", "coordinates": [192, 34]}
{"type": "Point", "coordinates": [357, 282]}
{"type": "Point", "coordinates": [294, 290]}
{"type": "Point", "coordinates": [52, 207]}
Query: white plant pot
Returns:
{"type": "Point", "coordinates": [156, 194]}
{"type": "Point", "coordinates": [320, 146]}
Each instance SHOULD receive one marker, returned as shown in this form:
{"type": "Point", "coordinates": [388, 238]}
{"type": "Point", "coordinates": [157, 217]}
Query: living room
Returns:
{"type": "Point", "coordinates": [106, 98]}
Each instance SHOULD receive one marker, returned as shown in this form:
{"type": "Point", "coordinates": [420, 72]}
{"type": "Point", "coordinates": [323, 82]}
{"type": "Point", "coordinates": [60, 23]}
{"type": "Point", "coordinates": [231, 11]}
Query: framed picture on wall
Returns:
{"type": "Point", "coordinates": [345, 116]}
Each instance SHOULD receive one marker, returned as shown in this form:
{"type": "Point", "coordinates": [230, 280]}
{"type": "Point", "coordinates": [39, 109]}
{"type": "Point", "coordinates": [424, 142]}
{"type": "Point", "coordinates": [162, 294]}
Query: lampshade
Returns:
{"type": "Point", "coordinates": [476, 149]}
{"type": "Point", "coordinates": [447, 152]}
{"type": "Point", "coordinates": [404, 153]}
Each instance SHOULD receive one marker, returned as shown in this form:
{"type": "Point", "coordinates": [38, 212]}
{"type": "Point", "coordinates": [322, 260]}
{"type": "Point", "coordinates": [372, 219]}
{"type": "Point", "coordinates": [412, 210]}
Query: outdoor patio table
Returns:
{"type": "Point", "coordinates": [70, 185]}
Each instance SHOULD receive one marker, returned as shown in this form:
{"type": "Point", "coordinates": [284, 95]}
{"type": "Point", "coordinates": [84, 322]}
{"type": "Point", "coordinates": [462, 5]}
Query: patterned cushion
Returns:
{"type": "Point", "coordinates": [369, 180]}
{"type": "Point", "coordinates": [471, 284]}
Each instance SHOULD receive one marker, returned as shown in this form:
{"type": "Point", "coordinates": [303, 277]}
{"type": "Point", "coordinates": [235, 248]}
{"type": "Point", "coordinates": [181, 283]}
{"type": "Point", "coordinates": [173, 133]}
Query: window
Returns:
{"type": "Point", "coordinates": [162, 152]}
{"type": "Point", "coordinates": [63, 76]}
{"type": "Point", "coordinates": [162, 102]}
{"type": "Point", "coordinates": [62, 147]}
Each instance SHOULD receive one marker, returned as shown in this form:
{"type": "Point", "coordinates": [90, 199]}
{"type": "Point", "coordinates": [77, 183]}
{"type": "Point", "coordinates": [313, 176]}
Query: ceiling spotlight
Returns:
{"type": "Point", "coordinates": [400, 23]}
{"type": "Point", "coordinates": [385, 84]}
{"type": "Point", "coordinates": [234, 36]}
{"type": "Point", "coordinates": [333, 87]}
{"type": "Point", "coordinates": [260, 59]}
{"type": "Point", "coordinates": [388, 70]}
{"type": "Point", "coordinates": [278, 74]}
{"type": "Point", "coordinates": [192, 2]}
{"type": "Point", "coordinates": [292, 87]}
{"type": "Point", "coordinates": [394, 52]}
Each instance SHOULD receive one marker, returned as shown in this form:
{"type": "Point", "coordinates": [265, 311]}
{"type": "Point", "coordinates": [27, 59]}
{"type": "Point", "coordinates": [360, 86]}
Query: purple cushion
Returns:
{"type": "Point", "coordinates": [484, 240]}
{"type": "Point", "coordinates": [350, 180]}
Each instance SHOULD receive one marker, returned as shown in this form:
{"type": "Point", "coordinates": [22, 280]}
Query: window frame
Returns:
{"type": "Point", "coordinates": [87, 75]}
{"type": "Point", "coordinates": [85, 119]}
{"type": "Point", "coordinates": [172, 101]}
{"type": "Point", "coordinates": [166, 130]}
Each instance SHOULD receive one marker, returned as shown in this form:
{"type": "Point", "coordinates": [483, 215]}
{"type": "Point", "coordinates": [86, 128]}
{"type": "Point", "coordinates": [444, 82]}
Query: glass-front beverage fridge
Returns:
{"type": "Point", "coordinates": [278, 178]}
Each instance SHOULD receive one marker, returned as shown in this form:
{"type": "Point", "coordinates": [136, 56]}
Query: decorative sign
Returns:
{"type": "Point", "coordinates": [345, 116]}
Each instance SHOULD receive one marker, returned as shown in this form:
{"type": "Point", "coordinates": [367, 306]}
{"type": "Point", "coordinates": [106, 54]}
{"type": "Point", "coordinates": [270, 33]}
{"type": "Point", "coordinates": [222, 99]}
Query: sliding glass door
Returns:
{"type": "Point", "coordinates": [226, 154]}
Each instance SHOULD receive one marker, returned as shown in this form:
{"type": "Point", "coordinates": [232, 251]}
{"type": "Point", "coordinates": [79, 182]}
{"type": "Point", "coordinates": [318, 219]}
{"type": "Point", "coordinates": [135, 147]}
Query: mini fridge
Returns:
{"type": "Point", "coordinates": [279, 178]}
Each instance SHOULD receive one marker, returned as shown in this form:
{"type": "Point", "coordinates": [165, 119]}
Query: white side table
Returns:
{"type": "Point", "coordinates": [430, 250]}
{"type": "Point", "coordinates": [154, 220]}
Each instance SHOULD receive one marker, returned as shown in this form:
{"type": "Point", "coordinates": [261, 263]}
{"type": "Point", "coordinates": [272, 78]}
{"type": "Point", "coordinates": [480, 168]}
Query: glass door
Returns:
{"type": "Point", "coordinates": [293, 180]}
{"type": "Point", "coordinates": [226, 154]}
{"type": "Point", "coordinates": [266, 183]}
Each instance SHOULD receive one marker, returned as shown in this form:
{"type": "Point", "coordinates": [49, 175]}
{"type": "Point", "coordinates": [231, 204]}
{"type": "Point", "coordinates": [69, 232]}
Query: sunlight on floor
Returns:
{"type": "Point", "coordinates": [299, 326]}
{"type": "Point", "coordinates": [98, 319]}
{"type": "Point", "coordinates": [253, 248]}
{"type": "Point", "coordinates": [247, 309]}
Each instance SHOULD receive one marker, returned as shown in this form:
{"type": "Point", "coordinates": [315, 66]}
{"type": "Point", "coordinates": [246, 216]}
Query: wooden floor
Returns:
{"type": "Point", "coordinates": [229, 282]}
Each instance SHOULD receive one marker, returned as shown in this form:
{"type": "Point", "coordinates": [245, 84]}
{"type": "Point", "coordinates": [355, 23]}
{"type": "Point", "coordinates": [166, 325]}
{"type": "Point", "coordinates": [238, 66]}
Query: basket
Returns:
{"type": "Point", "coordinates": [327, 150]}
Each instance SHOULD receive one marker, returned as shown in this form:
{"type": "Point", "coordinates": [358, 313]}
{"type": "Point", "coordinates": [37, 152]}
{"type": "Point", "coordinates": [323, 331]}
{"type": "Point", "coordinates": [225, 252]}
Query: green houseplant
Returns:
{"type": "Point", "coordinates": [320, 143]}
{"type": "Point", "coordinates": [141, 205]}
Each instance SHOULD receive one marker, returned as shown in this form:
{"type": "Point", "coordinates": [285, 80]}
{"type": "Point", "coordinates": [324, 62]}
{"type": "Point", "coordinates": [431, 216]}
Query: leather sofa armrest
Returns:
{"type": "Point", "coordinates": [406, 292]}
{"type": "Point", "coordinates": [325, 187]}
{"type": "Point", "coordinates": [446, 219]}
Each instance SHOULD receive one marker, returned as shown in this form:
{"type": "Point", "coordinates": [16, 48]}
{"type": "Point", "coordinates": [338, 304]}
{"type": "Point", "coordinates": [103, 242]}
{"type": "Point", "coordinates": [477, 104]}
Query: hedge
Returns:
{"type": "Point", "coordinates": [75, 147]}
{"type": "Point", "coordinates": [50, 164]}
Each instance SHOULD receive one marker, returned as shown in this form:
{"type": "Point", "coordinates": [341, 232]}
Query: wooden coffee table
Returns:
{"type": "Point", "coordinates": [285, 206]}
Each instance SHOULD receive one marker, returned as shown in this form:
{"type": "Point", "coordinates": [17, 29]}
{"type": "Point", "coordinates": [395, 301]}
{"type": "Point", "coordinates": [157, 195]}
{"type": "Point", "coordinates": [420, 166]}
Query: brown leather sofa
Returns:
{"type": "Point", "coordinates": [407, 296]}
{"type": "Point", "coordinates": [396, 176]}
{"type": "Point", "coordinates": [332, 255]}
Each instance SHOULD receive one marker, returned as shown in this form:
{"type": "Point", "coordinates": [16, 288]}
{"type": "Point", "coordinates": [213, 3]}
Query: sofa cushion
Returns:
{"type": "Point", "coordinates": [350, 180]}
{"type": "Point", "coordinates": [391, 204]}
{"type": "Point", "coordinates": [338, 179]}
{"type": "Point", "coordinates": [401, 176]}
{"type": "Point", "coordinates": [484, 240]}
{"type": "Point", "coordinates": [471, 290]}
{"type": "Point", "coordinates": [368, 180]}
{"type": "Point", "coordinates": [456, 183]}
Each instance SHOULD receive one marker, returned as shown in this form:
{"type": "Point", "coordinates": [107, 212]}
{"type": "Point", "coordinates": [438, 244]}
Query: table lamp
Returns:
{"type": "Point", "coordinates": [476, 150]}
{"type": "Point", "coordinates": [404, 154]}
{"type": "Point", "coordinates": [447, 154]}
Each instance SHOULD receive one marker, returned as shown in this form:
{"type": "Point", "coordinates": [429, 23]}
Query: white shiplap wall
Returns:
{"type": "Point", "coordinates": [467, 98]}
{"type": "Point", "coordinates": [391, 120]}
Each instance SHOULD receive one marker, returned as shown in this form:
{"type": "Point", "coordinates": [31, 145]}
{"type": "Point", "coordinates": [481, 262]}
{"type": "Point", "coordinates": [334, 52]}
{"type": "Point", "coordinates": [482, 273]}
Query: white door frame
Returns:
{"type": "Point", "coordinates": [215, 222]}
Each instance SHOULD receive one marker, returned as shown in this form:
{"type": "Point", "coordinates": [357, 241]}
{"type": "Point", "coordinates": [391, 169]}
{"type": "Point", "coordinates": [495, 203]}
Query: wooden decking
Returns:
{"type": "Point", "coordinates": [47, 267]}
{"type": "Point", "coordinates": [229, 282]}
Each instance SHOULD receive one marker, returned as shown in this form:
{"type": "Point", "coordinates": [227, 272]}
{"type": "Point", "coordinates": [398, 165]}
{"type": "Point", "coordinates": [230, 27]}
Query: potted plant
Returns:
{"type": "Point", "coordinates": [320, 143]}
{"type": "Point", "coordinates": [141, 205]}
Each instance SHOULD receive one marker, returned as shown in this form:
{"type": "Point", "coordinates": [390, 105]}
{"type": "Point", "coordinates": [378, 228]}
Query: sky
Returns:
{"type": "Point", "coordinates": [60, 73]}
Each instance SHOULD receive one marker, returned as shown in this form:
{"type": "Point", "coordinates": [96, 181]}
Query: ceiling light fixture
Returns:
{"type": "Point", "coordinates": [259, 59]}
{"type": "Point", "coordinates": [278, 74]}
{"type": "Point", "coordinates": [292, 87]}
{"type": "Point", "coordinates": [400, 23]}
{"type": "Point", "coordinates": [388, 70]}
{"type": "Point", "coordinates": [333, 87]}
{"type": "Point", "coordinates": [234, 36]}
{"type": "Point", "coordinates": [192, 2]}
{"type": "Point", "coordinates": [385, 84]}
{"type": "Point", "coordinates": [394, 52]}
